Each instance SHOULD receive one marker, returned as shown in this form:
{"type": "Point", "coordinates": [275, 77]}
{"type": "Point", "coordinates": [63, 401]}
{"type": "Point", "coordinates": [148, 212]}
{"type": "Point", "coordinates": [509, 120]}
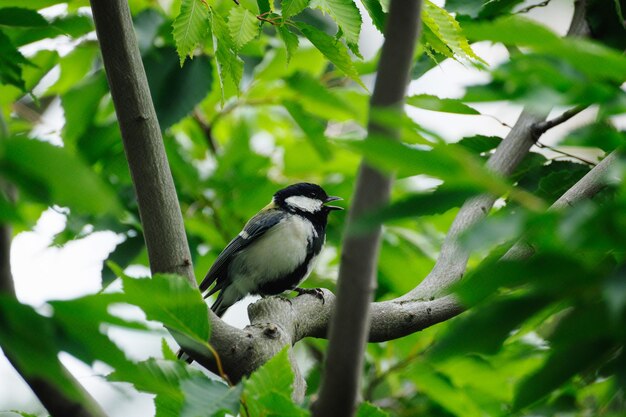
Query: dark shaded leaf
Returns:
{"type": "Point", "coordinates": [562, 364]}
{"type": "Point", "coordinates": [486, 328]}
{"type": "Point", "coordinates": [15, 16]}
{"type": "Point", "coordinates": [175, 90]}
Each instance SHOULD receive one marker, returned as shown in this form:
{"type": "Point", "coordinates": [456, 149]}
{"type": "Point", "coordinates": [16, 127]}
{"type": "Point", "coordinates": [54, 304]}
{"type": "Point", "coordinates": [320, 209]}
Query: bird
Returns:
{"type": "Point", "coordinates": [275, 251]}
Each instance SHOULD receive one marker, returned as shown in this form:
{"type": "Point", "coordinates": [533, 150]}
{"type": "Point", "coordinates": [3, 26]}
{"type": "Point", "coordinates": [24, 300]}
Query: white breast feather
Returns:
{"type": "Point", "coordinates": [278, 252]}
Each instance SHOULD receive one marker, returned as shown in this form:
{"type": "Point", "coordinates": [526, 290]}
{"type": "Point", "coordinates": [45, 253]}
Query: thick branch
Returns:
{"type": "Point", "coordinates": [359, 259]}
{"type": "Point", "coordinates": [161, 218]}
{"type": "Point", "coordinates": [56, 401]}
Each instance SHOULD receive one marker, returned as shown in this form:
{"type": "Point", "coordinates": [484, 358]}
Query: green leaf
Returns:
{"type": "Point", "coordinates": [229, 65]}
{"type": "Point", "coordinates": [376, 12]}
{"type": "Point", "coordinates": [312, 127]}
{"type": "Point", "coordinates": [319, 99]}
{"type": "Point", "coordinates": [486, 328]}
{"type": "Point", "coordinates": [31, 4]}
{"type": "Point", "coordinates": [452, 164]}
{"type": "Point", "coordinates": [190, 27]}
{"type": "Point", "coordinates": [562, 365]}
{"type": "Point", "coordinates": [345, 13]}
{"type": "Point", "coordinates": [171, 300]}
{"type": "Point", "coordinates": [332, 49]}
{"type": "Point", "coordinates": [15, 16]}
{"type": "Point", "coordinates": [167, 352]}
{"type": "Point", "coordinates": [52, 175]}
{"type": "Point", "coordinates": [290, 40]}
{"type": "Point", "coordinates": [275, 375]}
{"type": "Point", "coordinates": [206, 397]}
{"type": "Point", "coordinates": [480, 143]}
{"type": "Point", "coordinates": [74, 67]}
{"type": "Point", "coordinates": [243, 26]}
{"type": "Point", "coordinates": [369, 410]}
{"type": "Point", "coordinates": [434, 103]}
{"type": "Point", "coordinates": [415, 205]}
{"type": "Point", "coordinates": [176, 91]}
{"type": "Point", "coordinates": [11, 61]}
{"type": "Point", "coordinates": [589, 57]}
{"type": "Point", "coordinates": [440, 389]}
{"type": "Point", "coordinates": [268, 390]}
{"type": "Point", "coordinates": [80, 105]}
{"type": "Point", "coordinates": [445, 28]}
{"type": "Point", "coordinates": [293, 7]}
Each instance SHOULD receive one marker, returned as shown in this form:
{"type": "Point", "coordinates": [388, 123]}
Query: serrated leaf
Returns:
{"type": "Point", "coordinates": [190, 27]}
{"type": "Point", "coordinates": [290, 40]}
{"type": "Point", "coordinates": [445, 27]}
{"type": "Point", "coordinates": [293, 7]}
{"type": "Point", "coordinates": [171, 300]}
{"type": "Point", "coordinates": [434, 103]}
{"type": "Point", "coordinates": [166, 351]}
{"type": "Point", "coordinates": [332, 49]}
{"type": "Point", "coordinates": [206, 397]}
{"type": "Point", "coordinates": [269, 386]}
{"type": "Point", "coordinates": [376, 12]}
{"type": "Point", "coordinates": [345, 14]}
{"type": "Point", "coordinates": [243, 26]}
{"type": "Point", "coordinates": [229, 65]}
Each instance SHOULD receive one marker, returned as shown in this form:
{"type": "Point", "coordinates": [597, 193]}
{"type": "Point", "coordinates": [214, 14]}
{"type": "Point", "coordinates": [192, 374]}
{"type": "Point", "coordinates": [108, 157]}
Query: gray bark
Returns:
{"type": "Point", "coordinates": [359, 258]}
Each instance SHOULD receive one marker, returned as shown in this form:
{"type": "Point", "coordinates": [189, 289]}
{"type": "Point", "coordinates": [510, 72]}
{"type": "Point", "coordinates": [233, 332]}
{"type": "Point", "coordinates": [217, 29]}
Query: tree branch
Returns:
{"type": "Point", "coordinates": [542, 127]}
{"type": "Point", "coordinates": [359, 259]}
{"type": "Point", "coordinates": [159, 210]}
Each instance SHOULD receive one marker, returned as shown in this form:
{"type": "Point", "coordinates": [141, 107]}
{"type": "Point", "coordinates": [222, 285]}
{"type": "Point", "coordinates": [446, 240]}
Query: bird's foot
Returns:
{"type": "Point", "coordinates": [316, 292]}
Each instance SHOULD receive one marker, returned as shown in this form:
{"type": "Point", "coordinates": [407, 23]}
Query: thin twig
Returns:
{"type": "Point", "coordinates": [533, 6]}
{"type": "Point", "coordinates": [543, 146]}
{"type": "Point", "coordinates": [540, 128]}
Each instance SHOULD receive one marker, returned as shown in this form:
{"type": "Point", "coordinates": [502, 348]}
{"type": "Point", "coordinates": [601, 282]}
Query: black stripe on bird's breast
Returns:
{"type": "Point", "coordinates": [291, 280]}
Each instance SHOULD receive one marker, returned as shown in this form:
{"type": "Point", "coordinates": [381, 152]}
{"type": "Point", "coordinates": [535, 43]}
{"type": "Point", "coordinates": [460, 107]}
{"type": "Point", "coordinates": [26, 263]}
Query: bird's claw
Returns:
{"type": "Point", "coordinates": [316, 292]}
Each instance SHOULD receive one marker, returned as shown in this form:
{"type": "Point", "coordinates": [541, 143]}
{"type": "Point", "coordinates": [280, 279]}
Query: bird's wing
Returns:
{"type": "Point", "coordinates": [254, 229]}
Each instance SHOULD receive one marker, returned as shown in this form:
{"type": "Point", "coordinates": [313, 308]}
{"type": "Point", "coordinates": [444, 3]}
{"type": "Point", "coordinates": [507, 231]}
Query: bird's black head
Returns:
{"type": "Point", "coordinates": [305, 198]}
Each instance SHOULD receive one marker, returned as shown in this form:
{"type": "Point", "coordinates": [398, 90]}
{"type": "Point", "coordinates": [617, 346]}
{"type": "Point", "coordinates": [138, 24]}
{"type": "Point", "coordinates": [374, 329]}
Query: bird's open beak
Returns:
{"type": "Point", "coordinates": [330, 199]}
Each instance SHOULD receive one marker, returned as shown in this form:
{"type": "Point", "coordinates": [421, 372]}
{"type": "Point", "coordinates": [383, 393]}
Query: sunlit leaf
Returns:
{"type": "Point", "coordinates": [345, 14]}
{"type": "Point", "coordinates": [190, 27]}
{"type": "Point", "coordinates": [332, 49]}
{"type": "Point", "coordinates": [243, 26]}
{"type": "Point", "coordinates": [293, 7]}
{"type": "Point", "coordinates": [446, 105]}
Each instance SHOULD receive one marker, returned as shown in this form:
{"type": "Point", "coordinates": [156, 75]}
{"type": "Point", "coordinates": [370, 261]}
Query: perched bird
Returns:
{"type": "Point", "coordinates": [276, 249]}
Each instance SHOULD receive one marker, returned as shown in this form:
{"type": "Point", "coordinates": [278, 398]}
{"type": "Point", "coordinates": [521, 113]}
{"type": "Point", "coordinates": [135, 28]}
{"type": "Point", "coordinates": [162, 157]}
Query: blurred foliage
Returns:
{"type": "Point", "coordinates": [257, 95]}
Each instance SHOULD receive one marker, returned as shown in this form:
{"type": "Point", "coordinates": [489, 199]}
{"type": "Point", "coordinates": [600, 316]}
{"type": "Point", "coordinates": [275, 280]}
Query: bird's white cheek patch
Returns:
{"type": "Point", "coordinates": [304, 203]}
